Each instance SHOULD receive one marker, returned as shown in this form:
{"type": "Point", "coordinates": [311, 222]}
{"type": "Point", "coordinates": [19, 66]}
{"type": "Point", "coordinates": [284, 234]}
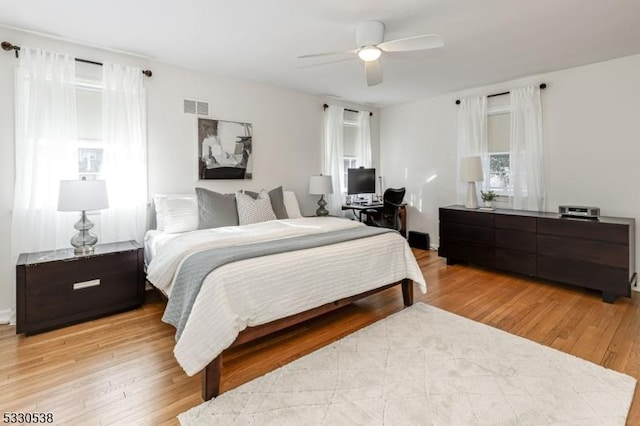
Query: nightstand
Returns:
{"type": "Point", "coordinates": [57, 288]}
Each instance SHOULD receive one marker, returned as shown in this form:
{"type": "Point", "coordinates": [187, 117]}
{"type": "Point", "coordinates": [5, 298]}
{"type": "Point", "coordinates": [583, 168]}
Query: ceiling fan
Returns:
{"type": "Point", "coordinates": [371, 45]}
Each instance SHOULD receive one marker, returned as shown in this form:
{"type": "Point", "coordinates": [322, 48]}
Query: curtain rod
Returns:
{"type": "Point", "coordinates": [325, 106]}
{"type": "Point", "coordinates": [542, 86]}
{"type": "Point", "coordinates": [9, 47]}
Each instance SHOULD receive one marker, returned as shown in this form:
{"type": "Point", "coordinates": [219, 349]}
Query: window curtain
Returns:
{"type": "Point", "coordinates": [364, 138]}
{"type": "Point", "coordinates": [45, 150]}
{"type": "Point", "coordinates": [125, 153]}
{"type": "Point", "coordinates": [472, 138]}
{"type": "Point", "coordinates": [333, 154]}
{"type": "Point", "coordinates": [527, 169]}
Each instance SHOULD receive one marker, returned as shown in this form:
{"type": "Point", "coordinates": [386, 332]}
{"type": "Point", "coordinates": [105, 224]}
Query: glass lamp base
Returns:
{"type": "Point", "coordinates": [84, 240]}
{"type": "Point", "coordinates": [322, 211]}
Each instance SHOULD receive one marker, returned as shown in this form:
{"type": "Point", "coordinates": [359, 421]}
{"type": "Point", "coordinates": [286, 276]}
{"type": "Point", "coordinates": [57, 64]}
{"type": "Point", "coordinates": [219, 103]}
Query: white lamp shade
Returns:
{"type": "Point", "coordinates": [471, 169]}
{"type": "Point", "coordinates": [79, 195]}
{"type": "Point", "coordinates": [320, 185]}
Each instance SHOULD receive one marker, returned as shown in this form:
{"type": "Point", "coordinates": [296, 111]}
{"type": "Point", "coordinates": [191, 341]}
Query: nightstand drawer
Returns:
{"type": "Point", "coordinates": [80, 285]}
{"type": "Point", "coordinates": [57, 288]}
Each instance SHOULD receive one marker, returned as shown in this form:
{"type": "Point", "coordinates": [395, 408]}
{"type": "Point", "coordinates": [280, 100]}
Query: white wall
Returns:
{"type": "Point", "coordinates": [287, 128]}
{"type": "Point", "coordinates": [591, 120]}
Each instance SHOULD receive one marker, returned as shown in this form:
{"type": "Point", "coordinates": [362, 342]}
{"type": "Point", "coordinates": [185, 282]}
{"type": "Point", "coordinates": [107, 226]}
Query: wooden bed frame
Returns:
{"type": "Point", "coordinates": [211, 373]}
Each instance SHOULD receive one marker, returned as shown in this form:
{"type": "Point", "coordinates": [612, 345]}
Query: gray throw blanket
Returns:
{"type": "Point", "coordinates": [197, 266]}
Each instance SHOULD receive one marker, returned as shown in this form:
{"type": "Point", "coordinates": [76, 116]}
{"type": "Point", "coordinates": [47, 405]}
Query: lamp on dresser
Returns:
{"type": "Point", "coordinates": [82, 196]}
{"type": "Point", "coordinates": [321, 185]}
{"type": "Point", "coordinates": [471, 172]}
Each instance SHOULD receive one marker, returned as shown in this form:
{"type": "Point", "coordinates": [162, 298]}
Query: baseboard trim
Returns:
{"type": "Point", "coordinates": [5, 316]}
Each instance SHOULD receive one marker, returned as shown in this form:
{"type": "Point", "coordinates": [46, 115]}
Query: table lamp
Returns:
{"type": "Point", "coordinates": [321, 185]}
{"type": "Point", "coordinates": [82, 196]}
{"type": "Point", "coordinates": [471, 172]}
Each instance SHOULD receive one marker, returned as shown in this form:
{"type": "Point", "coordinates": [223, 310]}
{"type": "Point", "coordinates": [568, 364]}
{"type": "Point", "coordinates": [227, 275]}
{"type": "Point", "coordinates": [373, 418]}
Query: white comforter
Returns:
{"type": "Point", "coordinates": [256, 291]}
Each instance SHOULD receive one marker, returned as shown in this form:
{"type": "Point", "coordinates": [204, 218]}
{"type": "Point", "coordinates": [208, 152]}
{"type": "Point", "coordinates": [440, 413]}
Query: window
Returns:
{"type": "Point", "coordinates": [349, 163]}
{"type": "Point", "coordinates": [350, 159]}
{"type": "Point", "coordinates": [499, 175]}
{"type": "Point", "coordinates": [89, 118]}
{"type": "Point", "coordinates": [498, 135]}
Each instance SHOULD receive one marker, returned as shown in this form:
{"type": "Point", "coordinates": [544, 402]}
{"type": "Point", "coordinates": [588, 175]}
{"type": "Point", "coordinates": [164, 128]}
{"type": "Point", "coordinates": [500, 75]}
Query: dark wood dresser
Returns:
{"type": "Point", "coordinates": [596, 254]}
{"type": "Point", "coordinates": [57, 288]}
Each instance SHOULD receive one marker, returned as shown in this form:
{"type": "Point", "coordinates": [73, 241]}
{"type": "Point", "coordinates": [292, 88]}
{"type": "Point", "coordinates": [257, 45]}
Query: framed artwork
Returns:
{"type": "Point", "coordinates": [224, 149]}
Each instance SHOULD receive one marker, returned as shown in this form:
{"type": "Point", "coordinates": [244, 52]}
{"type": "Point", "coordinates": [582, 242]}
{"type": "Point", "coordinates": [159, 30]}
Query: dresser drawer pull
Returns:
{"type": "Point", "coordinates": [85, 284]}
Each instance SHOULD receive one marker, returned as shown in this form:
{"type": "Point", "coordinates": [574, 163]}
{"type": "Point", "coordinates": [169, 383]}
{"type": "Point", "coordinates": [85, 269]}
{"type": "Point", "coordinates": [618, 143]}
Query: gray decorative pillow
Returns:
{"type": "Point", "coordinates": [276, 195]}
{"type": "Point", "coordinates": [252, 210]}
{"type": "Point", "coordinates": [216, 210]}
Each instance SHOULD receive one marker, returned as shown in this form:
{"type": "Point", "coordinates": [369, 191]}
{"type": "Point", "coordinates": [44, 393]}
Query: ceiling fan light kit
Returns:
{"type": "Point", "coordinates": [370, 45]}
{"type": "Point", "coordinates": [369, 53]}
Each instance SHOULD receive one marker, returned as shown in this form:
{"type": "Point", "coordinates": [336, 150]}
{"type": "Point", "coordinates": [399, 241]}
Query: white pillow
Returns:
{"type": "Point", "coordinates": [176, 213]}
{"type": "Point", "coordinates": [254, 210]}
{"type": "Point", "coordinates": [291, 205]}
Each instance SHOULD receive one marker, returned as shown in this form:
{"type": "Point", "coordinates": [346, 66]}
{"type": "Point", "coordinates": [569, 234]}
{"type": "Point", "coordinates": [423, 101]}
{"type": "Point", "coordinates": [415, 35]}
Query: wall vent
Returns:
{"type": "Point", "coordinates": [191, 106]}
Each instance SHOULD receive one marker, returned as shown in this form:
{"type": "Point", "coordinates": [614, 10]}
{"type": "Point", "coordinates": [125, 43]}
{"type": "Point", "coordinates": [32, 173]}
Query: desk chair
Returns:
{"type": "Point", "coordinates": [389, 217]}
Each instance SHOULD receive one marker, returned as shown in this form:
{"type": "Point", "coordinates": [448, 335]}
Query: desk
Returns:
{"type": "Point", "coordinates": [358, 210]}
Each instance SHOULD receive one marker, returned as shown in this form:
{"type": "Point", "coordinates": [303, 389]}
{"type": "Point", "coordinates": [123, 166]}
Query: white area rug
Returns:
{"type": "Point", "coordinates": [427, 366]}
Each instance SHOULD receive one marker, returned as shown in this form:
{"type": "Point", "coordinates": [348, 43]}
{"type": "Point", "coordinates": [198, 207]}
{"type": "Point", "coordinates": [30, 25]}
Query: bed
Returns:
{"type": "Point", "coordinates": [247, 299]}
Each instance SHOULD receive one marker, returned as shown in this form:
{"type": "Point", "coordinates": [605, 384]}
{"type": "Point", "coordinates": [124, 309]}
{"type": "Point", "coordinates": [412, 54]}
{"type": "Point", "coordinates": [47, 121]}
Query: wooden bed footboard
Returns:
{"type": "Point", "coordinates": [210, 375]}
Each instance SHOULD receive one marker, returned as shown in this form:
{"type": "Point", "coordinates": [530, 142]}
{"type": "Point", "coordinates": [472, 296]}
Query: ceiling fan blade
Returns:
{"type": "Point", "coordinates": [421, 42]}
{"type": "Point", "coordinates": [327, 63]}
{"type": "Point", "coordinates": [315, 55]}
{"type": "Point", "coordinates": [373, 71]}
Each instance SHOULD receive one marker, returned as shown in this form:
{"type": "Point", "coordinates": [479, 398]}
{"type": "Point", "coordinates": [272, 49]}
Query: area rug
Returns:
{"type": "Point", "coordinates": [426, 366]}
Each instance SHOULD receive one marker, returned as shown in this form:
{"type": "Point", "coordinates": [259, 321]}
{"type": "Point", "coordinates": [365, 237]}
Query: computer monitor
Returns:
{"type": "Point", "coordinates": [361, 181]}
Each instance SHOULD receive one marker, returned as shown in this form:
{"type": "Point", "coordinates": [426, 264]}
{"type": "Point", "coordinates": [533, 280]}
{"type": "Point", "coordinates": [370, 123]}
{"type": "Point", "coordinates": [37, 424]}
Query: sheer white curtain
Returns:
{"type": "Point", "coordinates": [472, 138]}
{"type": "Point", "coordinates": [125, 153]}
{"type": "Point", "coordinates": [527, 170]}
{"type": "Point", "coordinates": [45, 150]}
{"type": "Point", "coordinates": [333, 156]}
{"type": "Point", "coordinates": [364, 138]}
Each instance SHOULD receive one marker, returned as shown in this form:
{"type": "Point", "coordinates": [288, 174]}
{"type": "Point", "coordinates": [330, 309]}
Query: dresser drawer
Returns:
{"type": "Point", "coordinates": [467, 252]}
{"type": "Point", "coordinates": [585, 229]}
{"type": "Point", "coordinates": [473, 234]}
{"type": "Point", "coordinates": [467, 218]}
{"type": "Point", "coordinates": [516, 240]}
{"type": "Point", "coordinates": [519, 223]}
{"type": "Point", "coordinates": [589, 275]}
{"type": "Point", "coordinates": [600, 252]}
{"type": "Point", "coordinates": [521, 263]}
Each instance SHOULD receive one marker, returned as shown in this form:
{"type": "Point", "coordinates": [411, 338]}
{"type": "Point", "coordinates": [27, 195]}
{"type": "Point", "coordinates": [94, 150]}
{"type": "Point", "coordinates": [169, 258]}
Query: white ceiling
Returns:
{"type": "Point", "coordinates": [486, 41]}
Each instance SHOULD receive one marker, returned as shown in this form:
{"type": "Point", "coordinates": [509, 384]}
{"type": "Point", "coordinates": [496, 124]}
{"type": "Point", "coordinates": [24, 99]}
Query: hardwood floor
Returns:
{"type": "Point", "coordinates": [120, 369]}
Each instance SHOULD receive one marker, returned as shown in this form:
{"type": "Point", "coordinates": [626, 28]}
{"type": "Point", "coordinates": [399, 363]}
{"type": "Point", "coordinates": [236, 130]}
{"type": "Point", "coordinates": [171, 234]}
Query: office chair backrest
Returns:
{"type": "Point", "coordinates": [391, 209]}
{"type": "Point", "coordinates": [394, 195]}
